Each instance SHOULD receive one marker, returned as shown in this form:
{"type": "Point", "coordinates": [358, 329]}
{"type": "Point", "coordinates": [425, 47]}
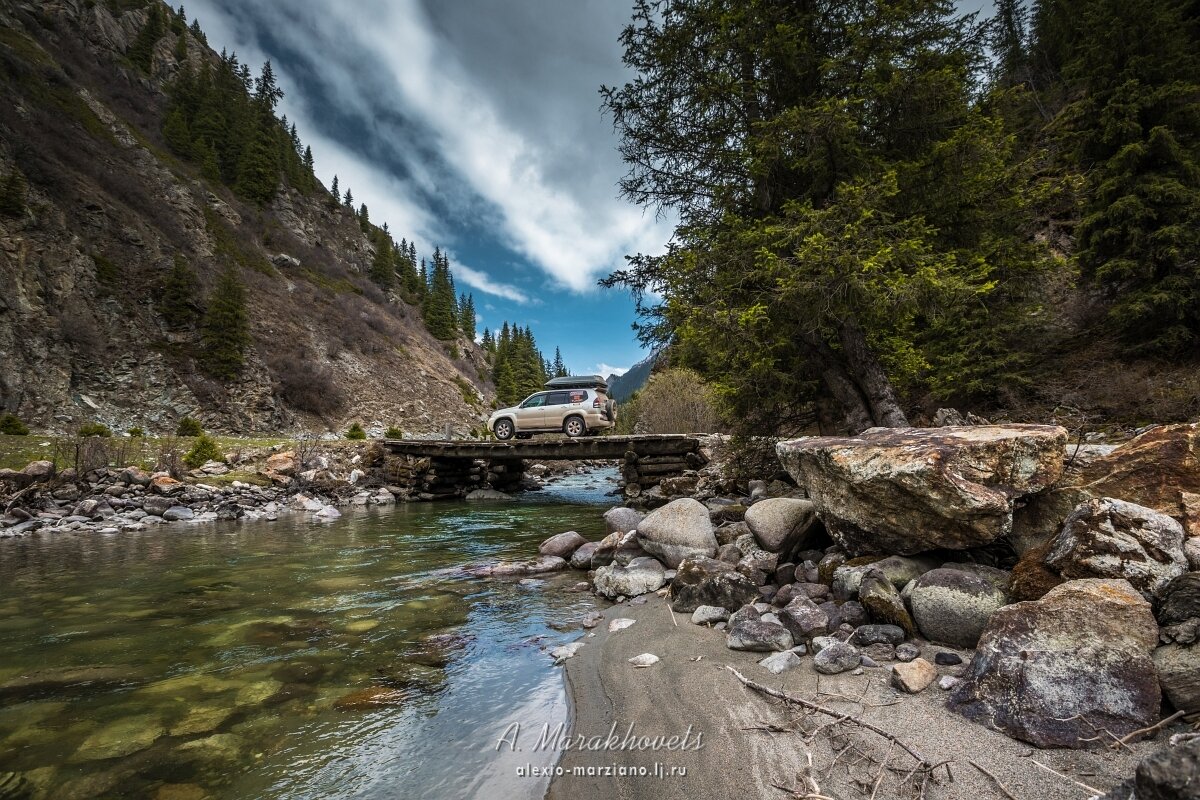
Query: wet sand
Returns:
{"type": "Point", "coordinates": [750, 745]}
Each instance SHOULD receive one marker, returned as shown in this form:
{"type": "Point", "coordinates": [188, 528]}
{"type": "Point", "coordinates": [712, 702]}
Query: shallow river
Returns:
{"type": "Point", "coordinates": [287, 659]}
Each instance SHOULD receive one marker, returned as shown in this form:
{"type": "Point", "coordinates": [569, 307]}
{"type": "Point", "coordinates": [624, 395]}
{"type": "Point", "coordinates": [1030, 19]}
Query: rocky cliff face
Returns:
{"type": "Point", "coordinates": [108, 210]}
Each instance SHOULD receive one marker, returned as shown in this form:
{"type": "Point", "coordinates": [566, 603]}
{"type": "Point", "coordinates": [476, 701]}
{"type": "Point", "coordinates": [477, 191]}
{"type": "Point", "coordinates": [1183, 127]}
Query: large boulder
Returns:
{"type": "Point", "coordinates": [1170, 773]}
{"type": "Point", "coordinates": [1179, 675]}
{"type": "Point", "coordinates": [1157, 469]}
{"type": "Point", "coordinates": [781, 524]}
{"type": "Point", "coordinates": [908, 490]}
{"type": "Point", "coordinates": [641, 576]}
{"type": "Point", "coordinates": [622, 519]}
{"type": "Point", "coordinates": [1179, 609]}
{"type": "Point", "coordinates": [1055, 671]}
{"type": "Point", "coordinates": [708, 582]}
{"type": "Point", "coordinates": [562, 545]}
{"type": "Point", "coordinates": [680, 529]}
{"type": "Point", "coordinates": [39, 470]}
{"type": "Point", "coordinates": [284, 463]}
{"type": "Point", "coordinates": [1108, 538]}
{"type": "Point", "coordinates": [953, 606]}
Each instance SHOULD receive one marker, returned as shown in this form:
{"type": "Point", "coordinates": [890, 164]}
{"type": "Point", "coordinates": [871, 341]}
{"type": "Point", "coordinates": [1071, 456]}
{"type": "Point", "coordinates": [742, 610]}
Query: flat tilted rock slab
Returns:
{"type": "Point", "coordinates": [907, 490]}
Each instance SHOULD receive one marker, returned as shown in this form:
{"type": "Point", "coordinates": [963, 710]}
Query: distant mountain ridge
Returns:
{"type": "Point", "coordinates": [622, 387]}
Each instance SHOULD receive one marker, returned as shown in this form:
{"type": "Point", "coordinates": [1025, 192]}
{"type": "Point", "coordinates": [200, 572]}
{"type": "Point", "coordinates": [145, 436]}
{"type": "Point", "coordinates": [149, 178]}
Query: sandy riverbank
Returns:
{"type": "Point", "coordinates": [752, 745]}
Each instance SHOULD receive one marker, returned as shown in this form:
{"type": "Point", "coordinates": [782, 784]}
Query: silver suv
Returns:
{"type": "Point", "coordinates": [575, 411]}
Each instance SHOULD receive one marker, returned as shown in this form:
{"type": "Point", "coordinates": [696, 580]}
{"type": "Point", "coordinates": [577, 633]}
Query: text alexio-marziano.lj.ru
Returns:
{"type": "Point", "coordinates": [557, 738]}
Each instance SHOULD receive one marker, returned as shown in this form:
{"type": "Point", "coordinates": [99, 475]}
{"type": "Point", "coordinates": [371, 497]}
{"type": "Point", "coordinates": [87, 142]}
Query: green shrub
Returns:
{"type": "Point", "coordinates": [10, 425]}
{"type": "Point", "coordinates": [394, 432]}
{"type": "Point", "coordinates": [95, 429]}
{"type": "Point", "coordinates": [136, 432]}
{"type": "Point", "coordinates": [189, 427]}
{"type": "Point", "coordinates": [356, 432]}
{"type": "Point", "coordinates": [205, 449]}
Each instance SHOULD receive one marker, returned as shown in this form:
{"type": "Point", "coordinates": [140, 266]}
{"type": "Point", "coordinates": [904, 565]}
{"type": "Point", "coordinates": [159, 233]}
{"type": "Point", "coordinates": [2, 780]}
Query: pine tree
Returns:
{"type": "Point", "coordinates": [198, 33]}
{"type": "Point", "coordinates": [439, 307]}
{"type": "Point", "coordinates": [364, 217]}
{"type": "Point", "coordinates": [12, 194]}
{"type": "Point", "coordinates": [558, 368]}
{"type": "Point", "coordinates": [466, 312]}
{"type": "Point", "coordinates": [488, 342]}
{"type": "Point", "coordinates": [349, 201]}
{"type": "Point", "coordinates": [225, 335]}
{"type": "Point", "coordinates": [141, 52]}
{"type": "Point", "coordinates": [179, 302]}
{"type": "Point", "coordinates": [333, 189]}
{"type": "Point", "coordinates": [383, 266]}
{"type": "Point", "coordinates": [177, 135]}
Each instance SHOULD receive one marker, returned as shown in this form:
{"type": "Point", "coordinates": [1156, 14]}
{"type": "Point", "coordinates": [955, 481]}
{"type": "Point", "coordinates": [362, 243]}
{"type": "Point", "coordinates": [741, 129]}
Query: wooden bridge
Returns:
{"type": "Point", "coordinates": [589, 448]}
{"type": "Point", "coordinates": [434, 469]}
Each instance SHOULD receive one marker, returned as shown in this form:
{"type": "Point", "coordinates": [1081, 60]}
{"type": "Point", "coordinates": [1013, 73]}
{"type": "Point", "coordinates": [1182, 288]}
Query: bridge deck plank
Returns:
{"type": "Point", "coordinates": [600, 447]}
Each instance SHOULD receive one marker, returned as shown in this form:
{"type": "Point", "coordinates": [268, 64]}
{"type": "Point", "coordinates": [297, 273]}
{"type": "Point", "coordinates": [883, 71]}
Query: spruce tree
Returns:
{"type": "Point", "coordinates": [225, 335]}
{"type": "Point", "coordinates": [333, 189]}
{"type": "Point", "coordinates": [383, 265]}
{"type": "Point", "coordinates": [349, 201]}
{"type": "Point", "coordinates": [141, 52]}
{"type": "Point", "coordinates": [177, 135]}
{"type": "Point", "coordinates": [179, 302]}
{"type": "Point", "coordinates": [558, 367]}
{"type": "Point", "coordinates": [12, 194]}
{"type": "Point", "coordinates": [466, 315]}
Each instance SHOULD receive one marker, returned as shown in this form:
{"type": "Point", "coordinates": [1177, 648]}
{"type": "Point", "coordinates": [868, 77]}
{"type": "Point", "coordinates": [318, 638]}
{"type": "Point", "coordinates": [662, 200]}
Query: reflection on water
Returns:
{"type": "Point", "coordinates": [286, 659]}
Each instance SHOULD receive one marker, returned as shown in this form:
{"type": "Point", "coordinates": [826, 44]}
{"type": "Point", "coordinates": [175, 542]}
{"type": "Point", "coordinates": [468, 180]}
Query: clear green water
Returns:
{"type": "Point", "coordinates": [286, 659]}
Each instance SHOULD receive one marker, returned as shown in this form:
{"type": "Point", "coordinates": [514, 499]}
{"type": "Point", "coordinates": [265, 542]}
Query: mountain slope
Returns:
{"type": "Point", "coordinates": [106, 211]}
{"type": "Point", "coordinates": [622, 387]}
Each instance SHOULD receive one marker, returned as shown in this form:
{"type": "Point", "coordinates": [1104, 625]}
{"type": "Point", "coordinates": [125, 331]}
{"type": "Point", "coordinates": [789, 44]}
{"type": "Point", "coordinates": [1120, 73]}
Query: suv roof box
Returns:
{"type": "Point", "coordinates": [578, 382]}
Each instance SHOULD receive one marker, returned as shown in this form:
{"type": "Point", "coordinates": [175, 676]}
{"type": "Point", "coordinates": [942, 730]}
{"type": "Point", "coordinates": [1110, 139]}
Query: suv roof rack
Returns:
{"type": "Point", "coordinates": [578, 382]}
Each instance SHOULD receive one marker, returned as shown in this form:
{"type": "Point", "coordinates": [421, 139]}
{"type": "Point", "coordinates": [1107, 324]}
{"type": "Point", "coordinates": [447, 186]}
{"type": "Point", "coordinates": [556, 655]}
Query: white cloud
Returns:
{"type": "Point", "coordinates": [484, 283]}
{"type": "Point", "coordinates": [548, 195]}
{"type": "Point", "coordinates": [544, 222]}
{"type": "Point", "coordinates": [609, 369]}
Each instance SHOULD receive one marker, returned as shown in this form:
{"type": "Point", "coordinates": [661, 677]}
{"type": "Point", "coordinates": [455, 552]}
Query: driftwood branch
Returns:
{"type": "Point", "coordinates": [999, 784]}
{"type": "Point", "coordinates": [767, 690]}
{"type": "Point", "coordinates": [1133, 735]}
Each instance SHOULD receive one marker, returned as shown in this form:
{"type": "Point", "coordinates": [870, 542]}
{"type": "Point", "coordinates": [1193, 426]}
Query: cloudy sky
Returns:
{"type": "Point", "coordinates": [473, 125]}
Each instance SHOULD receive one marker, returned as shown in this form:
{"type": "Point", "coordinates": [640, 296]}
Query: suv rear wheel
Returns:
{"type": "Point", "coordinates": [574, 427]}
{"type": "Point", "coordinates": [503, 429]}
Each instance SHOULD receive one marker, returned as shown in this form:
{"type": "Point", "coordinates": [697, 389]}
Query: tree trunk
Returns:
{"type": "Point", "coordinates": [839, 384]}
{"type": "Point", "coordinates": [868, 373]}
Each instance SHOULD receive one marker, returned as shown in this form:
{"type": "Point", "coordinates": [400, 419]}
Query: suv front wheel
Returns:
{"type": "Point", "coordinates": [574, 427]}
{"type": "Point", "coordinates": [503, 430]}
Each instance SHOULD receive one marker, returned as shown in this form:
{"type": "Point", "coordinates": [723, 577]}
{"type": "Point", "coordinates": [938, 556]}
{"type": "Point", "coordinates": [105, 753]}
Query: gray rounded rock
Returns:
{"type": "Point", "coordinates": [837, 657]}
{"type": "Point", "coordinates": [781, 524]}
{"type": "Point", "coordinates": [562, 544]}
{"type": "Point", "coordinates": [953, 607]}
{"type": "Point", "coordinates": [640, 576]}
{"type": "Point", "coordinates": [621, 519]}
{"type": "Point", "coordinates": [758, 635]}
{"type": "Point", "coordinates": [681, 529]}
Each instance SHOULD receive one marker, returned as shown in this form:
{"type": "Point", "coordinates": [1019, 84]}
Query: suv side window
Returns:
{"type": "Point", "coordinates": [578, 396]}
{"type": "Point", "coordinates": [536, 401]}
{"type": "Point", "coordinates": [557, 398]}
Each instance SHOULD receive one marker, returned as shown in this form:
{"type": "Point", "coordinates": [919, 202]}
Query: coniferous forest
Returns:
{"type": "Point", "coordinates": [884, 208]}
